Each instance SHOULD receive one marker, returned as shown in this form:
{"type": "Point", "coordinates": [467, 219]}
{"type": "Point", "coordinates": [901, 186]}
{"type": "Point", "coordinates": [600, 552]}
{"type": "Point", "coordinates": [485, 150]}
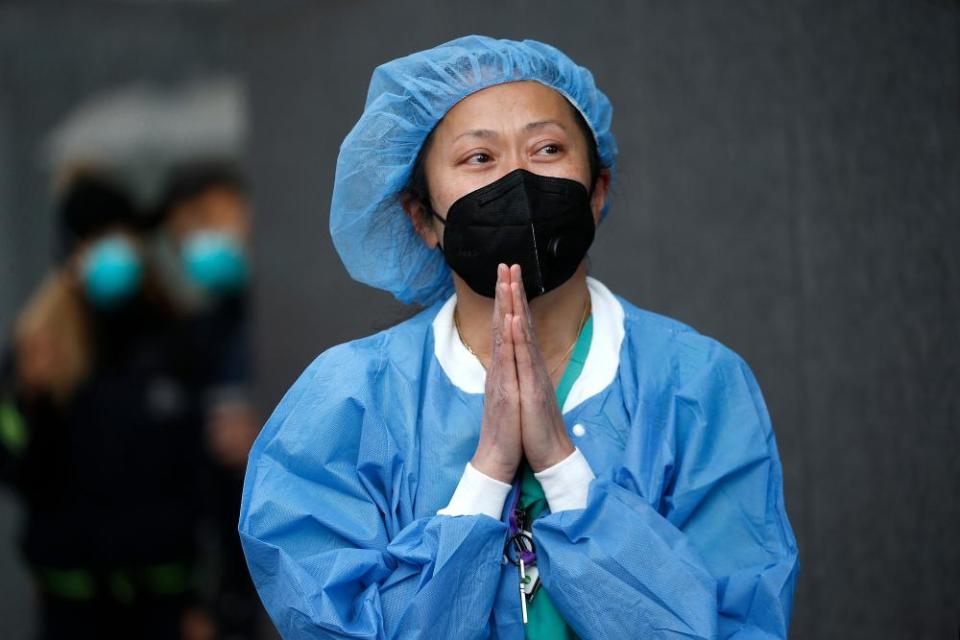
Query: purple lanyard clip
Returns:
{"type": "Point", "coordinates": [521, 537]}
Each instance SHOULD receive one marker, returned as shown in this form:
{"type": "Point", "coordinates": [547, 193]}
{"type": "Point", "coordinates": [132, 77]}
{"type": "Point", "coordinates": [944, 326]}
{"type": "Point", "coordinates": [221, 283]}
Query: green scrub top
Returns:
{"type": "Point", "coordinates": [543, 619]}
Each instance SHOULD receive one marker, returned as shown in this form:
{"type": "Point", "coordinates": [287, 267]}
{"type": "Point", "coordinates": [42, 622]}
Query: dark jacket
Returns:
{"type": "Point", "coordinates": [110, 479]}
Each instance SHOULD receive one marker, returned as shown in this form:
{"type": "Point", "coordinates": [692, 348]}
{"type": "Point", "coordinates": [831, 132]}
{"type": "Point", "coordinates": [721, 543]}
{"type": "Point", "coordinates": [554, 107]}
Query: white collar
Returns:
{"type": "Point", "coordinates": [465, 371]}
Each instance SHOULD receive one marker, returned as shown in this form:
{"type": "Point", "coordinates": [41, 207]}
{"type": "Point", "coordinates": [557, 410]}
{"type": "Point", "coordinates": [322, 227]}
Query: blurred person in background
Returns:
{"type": "Point", "coordinates": [100, 425]}
{"type": "Point", "coordinates": [204, 244]}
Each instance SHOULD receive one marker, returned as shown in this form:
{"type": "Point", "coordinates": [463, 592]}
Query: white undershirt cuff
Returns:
{"type": "Point", "coordinates": [477, 493]}
{"type": "Point", "coordinates": [567, 483]}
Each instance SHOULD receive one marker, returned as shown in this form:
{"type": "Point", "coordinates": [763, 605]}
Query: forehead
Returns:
{"type": "Point", "coordinates": [217, 205]}
{"type": "Point", "coordinates": [506, 104]}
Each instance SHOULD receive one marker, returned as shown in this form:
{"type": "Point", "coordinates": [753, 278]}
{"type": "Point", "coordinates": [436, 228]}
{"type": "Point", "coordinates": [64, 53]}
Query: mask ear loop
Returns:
{"type": "Point", "coordinates": [590, 192]}
{"type": "Point", "coordinates": [429, 208]}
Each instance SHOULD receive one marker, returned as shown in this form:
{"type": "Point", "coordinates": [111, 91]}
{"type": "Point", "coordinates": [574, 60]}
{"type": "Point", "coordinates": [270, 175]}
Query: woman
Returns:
{"type": "Point", "coordinates": [378, 498]}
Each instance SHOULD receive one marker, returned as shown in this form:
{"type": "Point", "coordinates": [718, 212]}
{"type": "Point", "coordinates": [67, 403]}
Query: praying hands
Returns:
{"type": "Point", "coordinates": [520, 415]}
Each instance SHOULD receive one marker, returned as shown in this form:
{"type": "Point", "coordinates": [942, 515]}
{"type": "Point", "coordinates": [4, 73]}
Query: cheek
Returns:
{"type": "Point", "coordinates": [231, 219]}
{"type": "Point", "coordinates": [451, 186]}
{"type": "Point", "coordinates": [572, 166]}
{"type": "Point", "coordinates": [182, 223]}
{"type": "Point", "coordinates": [572, 170]}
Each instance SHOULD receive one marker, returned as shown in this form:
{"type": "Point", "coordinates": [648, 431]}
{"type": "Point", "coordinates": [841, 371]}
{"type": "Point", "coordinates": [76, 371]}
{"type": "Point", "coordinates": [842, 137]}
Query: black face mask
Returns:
{"type": "Point", "coordinates": [543, 224]}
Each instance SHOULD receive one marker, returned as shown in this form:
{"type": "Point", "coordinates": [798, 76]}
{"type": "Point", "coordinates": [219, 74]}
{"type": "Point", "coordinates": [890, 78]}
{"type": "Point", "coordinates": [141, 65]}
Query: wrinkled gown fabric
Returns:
{"type": "Point", "coordinates": [684, 534]}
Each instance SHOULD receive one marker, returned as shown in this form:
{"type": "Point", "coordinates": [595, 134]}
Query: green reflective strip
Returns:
{"type": "Point", "coordinates": [543, 620]}
{"type": "Point", "coordinates": [121, 587]}
{"type": "Point", "coordinates": [167, 579]}
{"type": "Point", "coordinates": [74, 584]}
{"type": "Point", "coordinates": [13, 432]}
{"type": "Point", "coordinates": [170, 579]}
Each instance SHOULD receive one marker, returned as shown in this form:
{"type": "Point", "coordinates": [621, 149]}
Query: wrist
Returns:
{"type": "Point", "coordinates": [500, 470]}
{"type": "Point", "coordinates": [562, 450]}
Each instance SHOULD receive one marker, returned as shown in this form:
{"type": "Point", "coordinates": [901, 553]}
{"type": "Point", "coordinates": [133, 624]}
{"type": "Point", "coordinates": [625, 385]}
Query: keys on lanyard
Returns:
{"type": "Point", "coordinates": [523, 590]}
{"type": "Point", "coordinates": [520, 551]}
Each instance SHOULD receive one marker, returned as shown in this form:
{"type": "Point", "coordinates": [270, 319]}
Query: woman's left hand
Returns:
{"type": "Point", "coordinates": [545, 439]}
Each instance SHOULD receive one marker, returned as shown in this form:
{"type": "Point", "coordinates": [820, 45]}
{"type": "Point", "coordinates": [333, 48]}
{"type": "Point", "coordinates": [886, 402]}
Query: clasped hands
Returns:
{"type": "Point", "coordinates": [521, 417]}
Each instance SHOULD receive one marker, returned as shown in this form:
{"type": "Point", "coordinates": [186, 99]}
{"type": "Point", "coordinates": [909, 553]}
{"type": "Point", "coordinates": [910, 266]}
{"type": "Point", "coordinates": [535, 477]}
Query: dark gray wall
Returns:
{"type": "Point", "coordinates": [788, 184]}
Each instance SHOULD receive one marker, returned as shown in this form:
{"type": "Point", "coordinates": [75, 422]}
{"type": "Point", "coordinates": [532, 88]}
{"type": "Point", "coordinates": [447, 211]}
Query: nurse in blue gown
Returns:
{"type": "Point", "coordinates": [526, 413]}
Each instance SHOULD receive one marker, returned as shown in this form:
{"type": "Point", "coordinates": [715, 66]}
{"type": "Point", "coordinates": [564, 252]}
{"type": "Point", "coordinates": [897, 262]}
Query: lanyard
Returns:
{"type": "Point", "coordinates": [520, 542]}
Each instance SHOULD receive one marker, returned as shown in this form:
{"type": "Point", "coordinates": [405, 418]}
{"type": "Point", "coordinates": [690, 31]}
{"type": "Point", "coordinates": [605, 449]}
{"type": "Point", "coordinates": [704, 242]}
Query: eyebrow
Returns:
{"type": "Point", "coordinates": [478, 133]}
{"type": "Point", "coordinates": [490, 133]}
{"type": "Point", "coordinates": [543, 123]}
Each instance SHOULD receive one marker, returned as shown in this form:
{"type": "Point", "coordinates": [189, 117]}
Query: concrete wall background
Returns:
{"type": "Point", "coordinates": [788, 184]}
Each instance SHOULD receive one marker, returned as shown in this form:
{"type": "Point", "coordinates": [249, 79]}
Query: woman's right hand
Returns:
{"type": "Point", "coordinates": [500, 449]}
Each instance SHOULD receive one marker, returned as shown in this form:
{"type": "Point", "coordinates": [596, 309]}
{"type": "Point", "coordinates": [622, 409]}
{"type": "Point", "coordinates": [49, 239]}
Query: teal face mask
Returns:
{"type": "Point", "coordinates": [111, 271]}
{"type": "Point", "coordinates": [215, 261]}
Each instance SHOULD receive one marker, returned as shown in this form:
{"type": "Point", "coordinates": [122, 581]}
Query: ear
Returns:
{"type": "Point", "coordinates": [599, 197]}
{"type": "Point", "coordinates": [422, 221]}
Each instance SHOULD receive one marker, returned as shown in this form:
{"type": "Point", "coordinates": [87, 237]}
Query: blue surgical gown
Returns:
{"type": "Point", "coordinates": [684, 533]}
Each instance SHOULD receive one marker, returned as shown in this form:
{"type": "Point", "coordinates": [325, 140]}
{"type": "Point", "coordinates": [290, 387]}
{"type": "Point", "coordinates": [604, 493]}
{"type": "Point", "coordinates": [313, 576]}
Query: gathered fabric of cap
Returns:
{"type": "Point", "coordinates": [406, 99]}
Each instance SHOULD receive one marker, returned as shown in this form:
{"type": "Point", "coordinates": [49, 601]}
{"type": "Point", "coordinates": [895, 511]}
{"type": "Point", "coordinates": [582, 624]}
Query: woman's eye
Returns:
{"type": "Point", "coordinates": [479, 158]}
{"type": "Point", "coordinates": [550, 149]}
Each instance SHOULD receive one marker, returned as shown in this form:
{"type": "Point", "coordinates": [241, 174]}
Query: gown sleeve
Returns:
{"type": "Point", "coordinates": [714, 556]}
{"type": "Point", "coordinates": [327, 527]}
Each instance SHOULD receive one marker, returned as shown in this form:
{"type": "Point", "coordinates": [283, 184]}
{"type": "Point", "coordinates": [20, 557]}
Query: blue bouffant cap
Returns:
{"type": "Point", "coordinates": [407, 98]}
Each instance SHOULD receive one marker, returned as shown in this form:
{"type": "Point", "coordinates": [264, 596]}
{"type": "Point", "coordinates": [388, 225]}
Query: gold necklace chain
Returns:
{"type": "Point", "coordinates": [563, 358]}
{"type": "Point", "coordinates": [583, 322]}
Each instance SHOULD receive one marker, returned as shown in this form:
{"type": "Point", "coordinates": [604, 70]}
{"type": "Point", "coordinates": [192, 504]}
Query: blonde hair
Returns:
{"type": "Point", "coordinates": [54, 350]}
